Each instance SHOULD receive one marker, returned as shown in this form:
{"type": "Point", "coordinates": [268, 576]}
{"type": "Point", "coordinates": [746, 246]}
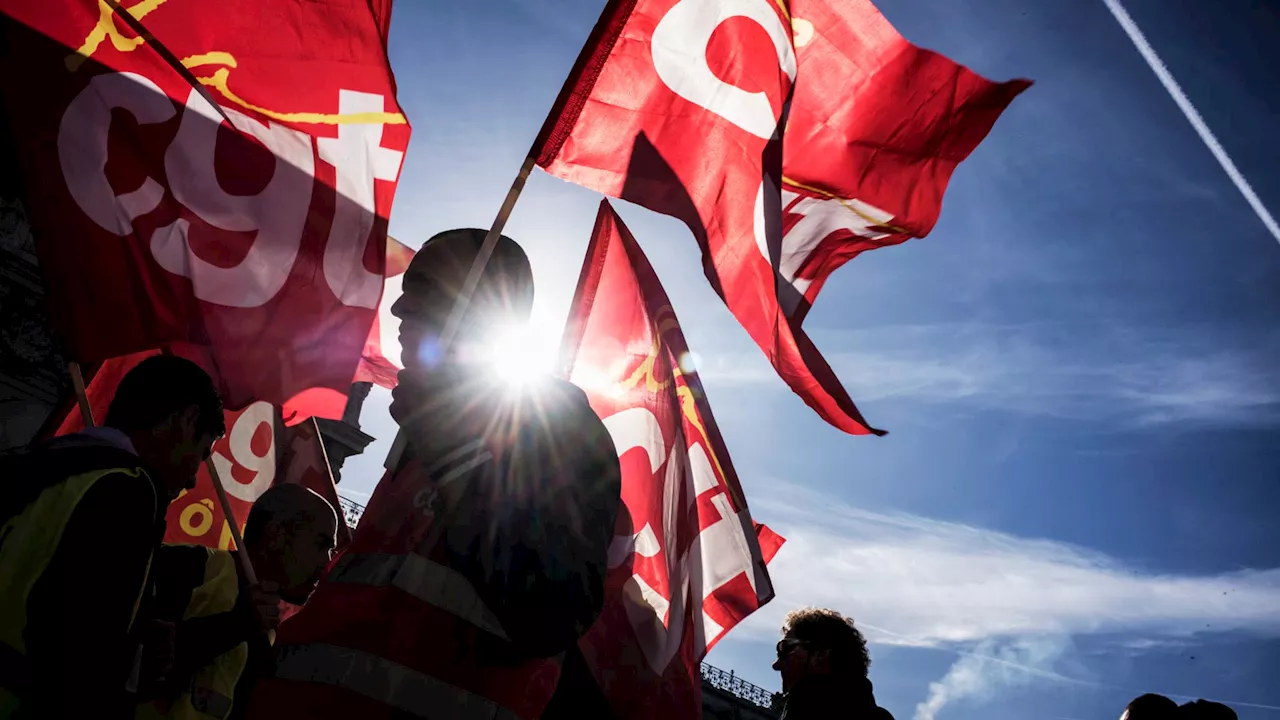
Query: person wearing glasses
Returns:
{"type": "Point", "coordinates": [823, 661]}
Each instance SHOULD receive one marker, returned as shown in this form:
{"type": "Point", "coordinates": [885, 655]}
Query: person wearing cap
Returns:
{"type": "Point", "coordinates": [480, 559]}
{"type": "Point", "coordinates": [80, 520]}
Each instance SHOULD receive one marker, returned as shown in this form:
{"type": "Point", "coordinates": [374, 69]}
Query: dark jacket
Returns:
{"type": "Point", "coordinates": [826, 697]}
{"type": "Point", "coordinates": [178, 570]}
{"type": "Point", "coordinates": [539, 518]}
{"type": "Point", "coordinates": [79, 648]}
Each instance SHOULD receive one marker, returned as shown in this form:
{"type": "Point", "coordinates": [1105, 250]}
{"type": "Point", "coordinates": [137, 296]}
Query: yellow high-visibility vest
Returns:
{"type": "Point", "coordinates": [30, 533]}
{"type": "Point", "coordinates": [213, 686]}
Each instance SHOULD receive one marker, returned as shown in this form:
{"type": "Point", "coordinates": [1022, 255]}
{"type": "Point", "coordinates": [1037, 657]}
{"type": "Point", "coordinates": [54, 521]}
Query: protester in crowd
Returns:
{"type": "Point", "coordinates": [221, 645]}
{"type": "Point", "coordinates": [80, 518]}
{"type": "Point", "coordinates": [481, 556]}
{"type": "Point", "coordinates": [823, 661]}
{"type": "Point", "coordinates": [1150, 707]}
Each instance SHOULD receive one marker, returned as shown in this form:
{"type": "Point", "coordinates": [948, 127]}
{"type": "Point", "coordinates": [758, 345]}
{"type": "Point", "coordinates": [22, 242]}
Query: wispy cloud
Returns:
{"type": "Point", "coordinates": [1080, 373]}
{"type": "Point", "coordinates": [928, 582]}
{"type": "Point", "coordinates": [978, 675]}
{"type": "Point", "coordinates": [1009, 606]}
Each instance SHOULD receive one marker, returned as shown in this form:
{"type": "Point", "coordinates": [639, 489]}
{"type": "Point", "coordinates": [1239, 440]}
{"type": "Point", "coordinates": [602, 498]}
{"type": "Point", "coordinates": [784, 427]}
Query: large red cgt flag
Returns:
{"type": "Point", "coordinates": [212, 173]}
{"type": "Point", "coordinates": [687, 563]}
{"type": "Point", "coordinates": [680, 106]}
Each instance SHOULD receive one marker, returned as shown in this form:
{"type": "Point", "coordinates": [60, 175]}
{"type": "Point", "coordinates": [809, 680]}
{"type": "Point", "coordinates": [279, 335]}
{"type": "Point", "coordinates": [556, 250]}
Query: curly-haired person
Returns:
{"type": "Point", "coordinates": [823, 660]}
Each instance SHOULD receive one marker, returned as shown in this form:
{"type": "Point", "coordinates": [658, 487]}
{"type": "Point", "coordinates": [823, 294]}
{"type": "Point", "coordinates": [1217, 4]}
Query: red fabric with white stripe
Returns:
{"type": "Point", "coordinates": [223, 179]}
{"type": "Point", "coordinates": [675, 105]}
{"type": "Point", "coordinates": [392, 624]}
{"type": "Point", "coordinates": [687, 563]}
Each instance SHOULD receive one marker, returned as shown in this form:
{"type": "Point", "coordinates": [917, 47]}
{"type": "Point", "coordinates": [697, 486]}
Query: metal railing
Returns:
{"type": "Point", "coordinates": [736, 686]}
{"type": "Point", "coordinates": [351, 511]}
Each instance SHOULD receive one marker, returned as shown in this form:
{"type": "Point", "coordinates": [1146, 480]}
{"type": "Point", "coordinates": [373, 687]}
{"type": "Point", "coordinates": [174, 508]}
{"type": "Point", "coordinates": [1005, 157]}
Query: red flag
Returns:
{"type": "Point", "coordinates": [304, 462]}
{"type": "Point", "coordinates": [374, 366]}
{"type": "Point", "coordinates": [676, 105]}
{"type": "Point", "coordinates": [222, 178]}
{"type": "Point", "coordinates": [686, 565]}
{"type": "Point", "coordinates": [249, 459]}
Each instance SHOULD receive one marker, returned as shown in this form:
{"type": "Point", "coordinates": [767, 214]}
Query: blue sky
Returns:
{"type": "Point", "coordinates": [1077, 500]}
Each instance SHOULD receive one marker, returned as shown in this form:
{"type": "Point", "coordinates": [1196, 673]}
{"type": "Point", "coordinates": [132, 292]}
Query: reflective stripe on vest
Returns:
{"type": "Point", "coordinates": [28, 542]}
{"type": "Point", "coordinates": [424, 579]}
{"type": "Point", "coordinates": [387, 682]}
{"type": "Point", "coordinates": [212, 688]}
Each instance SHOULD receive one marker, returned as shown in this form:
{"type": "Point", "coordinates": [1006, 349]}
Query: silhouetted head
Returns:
{"type": "Point", "coordinates": [290, 535]}
{"type": "Point", "coordinates": [170, 410]}
{"type": "Point", "coordinates": [1205, 710]}
{"type": "Point", "coordinates": [434, 281]}
{"type": "Point", "coordinates": [816, 641]}
{"type": "Point", "coordinates": [1150, 707]}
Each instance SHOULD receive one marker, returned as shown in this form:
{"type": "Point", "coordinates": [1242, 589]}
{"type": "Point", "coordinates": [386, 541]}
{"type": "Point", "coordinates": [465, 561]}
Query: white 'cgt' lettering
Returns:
{"type": "Point", "coordinates": [721, 551]}
{"type": "Point", "coordinates": [360, 160]}
{"type": "Point", "coordinates": [82, 148]}
{"type": "Point", "coordinates": [679, 48]}
{"type": "Point", "coordinates": [820, 217]}
{"type": "Point", "coordinates": [277, 215]}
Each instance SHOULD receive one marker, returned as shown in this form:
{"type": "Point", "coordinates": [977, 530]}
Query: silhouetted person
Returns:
{"type": "Point", "coordinates": [823, 660]}
{"type": "Point", "coordinates": [80, 518]}
{"type": "Point", "coordinates": [480, 559]}
{"type": "Point", "coordinates": [1150, 707]}
{"type": "Point", "coordinates": [221, 645]}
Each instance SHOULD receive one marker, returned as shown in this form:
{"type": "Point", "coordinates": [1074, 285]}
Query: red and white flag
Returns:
{"type": "Point", "coordinates": [256, 453]}
{"type": "Point", "coordinates": [688, 562]}
{"type": "Point", "coordinates": [680, 106]}
{"type": "Point", "coordinates": [212, 173]}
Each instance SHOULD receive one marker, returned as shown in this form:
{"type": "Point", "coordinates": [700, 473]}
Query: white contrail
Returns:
{"type": "Point", "coordinates": [1162, 72]}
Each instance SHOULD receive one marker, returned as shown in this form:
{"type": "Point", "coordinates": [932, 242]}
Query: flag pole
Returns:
{"type": "Point", "coordinates": [486, 251]}
{"type": "Point", "coordinates": [82, 398]}
{"type": "Point", "coordinates": [463, 300]}
{"type": "Point", "coordinates": [228, 515]}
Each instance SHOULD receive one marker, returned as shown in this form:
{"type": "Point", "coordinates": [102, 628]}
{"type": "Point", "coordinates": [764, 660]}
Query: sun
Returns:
{"type": "Point", "coordinates": [519, 353]}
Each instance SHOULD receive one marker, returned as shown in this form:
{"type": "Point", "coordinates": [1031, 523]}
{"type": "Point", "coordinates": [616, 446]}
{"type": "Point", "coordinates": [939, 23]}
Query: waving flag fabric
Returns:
{"type": "Point", "coordinates": [255, 454]}
{"type": "Point", "coordinates": [688, 562]}
{"type": "Point", "coordinates": [213, 173]}
{"type": "Point", "coordinates": [681, 106]}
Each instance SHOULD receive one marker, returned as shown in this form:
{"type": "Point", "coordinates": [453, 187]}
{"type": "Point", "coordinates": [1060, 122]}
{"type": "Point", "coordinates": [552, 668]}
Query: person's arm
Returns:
{"type": "Point", "coordinates": [81, 609]}
{"type": "Point", "coordinates": [199, 641]}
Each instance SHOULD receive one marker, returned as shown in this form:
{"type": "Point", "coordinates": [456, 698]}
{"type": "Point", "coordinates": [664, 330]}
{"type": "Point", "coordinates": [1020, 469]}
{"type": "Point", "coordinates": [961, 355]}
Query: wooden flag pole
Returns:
{"type": "Point", "coordinates": [228, 515]}
{"type": "Point", "coordinates": [246, 564]}
{"type": "Point", "coordinates": [469, 285]}
{"type": "Point", "coordinates": [82, 397]}
{"type": "Point", "coordinates": [486, 251]}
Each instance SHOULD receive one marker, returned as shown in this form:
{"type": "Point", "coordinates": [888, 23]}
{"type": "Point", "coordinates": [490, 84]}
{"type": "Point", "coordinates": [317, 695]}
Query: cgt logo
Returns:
{"type": "Point", "coordinates": [276, 215]}
{"type": "Point", "coordinates": [246, 463]}
{"type": "Point", "coordinates": [666, 580]}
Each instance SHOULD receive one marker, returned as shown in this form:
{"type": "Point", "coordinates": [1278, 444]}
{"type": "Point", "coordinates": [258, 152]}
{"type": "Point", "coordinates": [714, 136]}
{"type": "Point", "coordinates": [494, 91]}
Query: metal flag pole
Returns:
{"type": "Point", "coordinates": [1193, 116]}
